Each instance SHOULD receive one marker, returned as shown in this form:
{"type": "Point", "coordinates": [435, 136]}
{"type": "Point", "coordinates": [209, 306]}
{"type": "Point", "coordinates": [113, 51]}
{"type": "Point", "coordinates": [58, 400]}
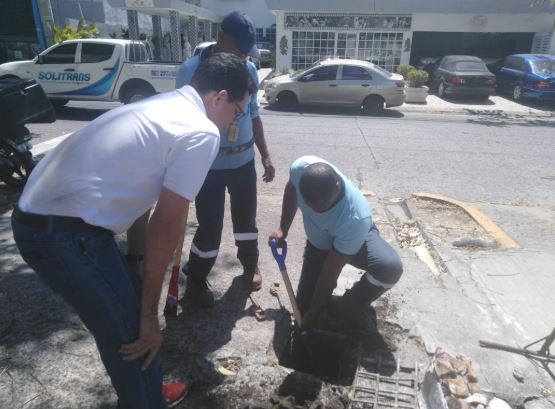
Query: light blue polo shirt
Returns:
{"type": "Point", "coordinates": [345, 226]}
{"type": "Point", "coordinates": [234, 160]}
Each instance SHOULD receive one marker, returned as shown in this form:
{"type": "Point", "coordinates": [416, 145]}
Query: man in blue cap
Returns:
{"type": "Point", "coordinates": [233, 169]}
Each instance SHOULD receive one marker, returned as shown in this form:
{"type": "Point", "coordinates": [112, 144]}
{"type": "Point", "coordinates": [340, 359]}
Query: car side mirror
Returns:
{"type": "Point", "coordinates": [40, 59]}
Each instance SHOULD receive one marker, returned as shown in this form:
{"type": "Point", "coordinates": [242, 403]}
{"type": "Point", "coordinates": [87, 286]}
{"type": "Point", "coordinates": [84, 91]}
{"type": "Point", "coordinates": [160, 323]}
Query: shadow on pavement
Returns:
{"type": "Point", "coordinates": [337, 111]}
{"type": "Point", "coordinates": [190, 338]}
{"type": "Point", "coordinates": [500, 120]}
{"type": "Point", "coordinates": [79, 114]}
{"type": "Point", "coordinates": [468, 100]}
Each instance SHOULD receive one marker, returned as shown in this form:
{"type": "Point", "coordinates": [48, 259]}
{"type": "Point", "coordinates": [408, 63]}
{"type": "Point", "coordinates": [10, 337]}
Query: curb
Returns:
{"type": "Point", "coordinates": [485, 222]}
{"type": "Point", "coordinates": [468, 111]}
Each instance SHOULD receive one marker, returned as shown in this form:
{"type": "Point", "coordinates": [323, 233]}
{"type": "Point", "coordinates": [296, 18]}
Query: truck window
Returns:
{"type": "Point", "coordinates": [95, 52]}
{"type": "Point", "coordinates": [137, 52]}
{"type": "Point", "coordinates": [64, 54]}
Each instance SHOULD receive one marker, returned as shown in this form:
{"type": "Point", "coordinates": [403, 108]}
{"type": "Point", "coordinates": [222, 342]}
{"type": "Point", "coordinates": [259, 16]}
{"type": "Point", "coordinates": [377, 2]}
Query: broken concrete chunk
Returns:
{"type": "Point", "coordinates": [443, 368]}
{"type": "Point", "coordinates": [460, 365]}
{"type": "Point", "coordinates": [474, 387]}
{"type": "Point", "coordinates": [457, 387]}
{"type": "Point", "coordinates": [472, 242]}
{"type": "Point", "coordinates": [454, 403]}
{"type": "Point", "coordinates": [518, 375]}
{"type": "Point", "coordinates": [497, 403]}
{"type": "Point", "coordinates": [477, 398]}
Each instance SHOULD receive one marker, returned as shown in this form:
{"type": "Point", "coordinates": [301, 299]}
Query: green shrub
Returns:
{"type": "Point", "coordinates": [404, 70]}
{"type": "Point", "coordinates": [68, 32]}
{"type": "Point", "coordinates": [417, 78]}
{"type": "Point", "coordinates": [285, 71]}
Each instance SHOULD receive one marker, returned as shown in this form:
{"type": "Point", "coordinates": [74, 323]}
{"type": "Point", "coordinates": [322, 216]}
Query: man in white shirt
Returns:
{"type": "Point", "coordinates": [100, 181]}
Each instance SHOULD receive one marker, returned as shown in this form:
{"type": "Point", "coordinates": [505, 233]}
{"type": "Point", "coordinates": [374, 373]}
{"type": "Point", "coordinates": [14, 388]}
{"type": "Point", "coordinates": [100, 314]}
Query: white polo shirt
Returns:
{"type": "Point", "coordinates": [112, 171]}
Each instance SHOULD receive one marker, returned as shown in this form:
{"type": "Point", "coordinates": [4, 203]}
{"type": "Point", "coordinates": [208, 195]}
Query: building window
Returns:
{"type": "Point", "coordinates": [271, 34]}
{"type": "Point", "coordinates": [311, 46]}
{"type": "Point", "coordinates": [381, 48]}
{"type": "Point", "coordinates": [259, 35]}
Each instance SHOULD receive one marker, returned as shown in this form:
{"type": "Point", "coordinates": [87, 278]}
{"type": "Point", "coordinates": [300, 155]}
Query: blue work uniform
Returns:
{"type": "Point", "coordinates": [233, 169]}
{"type": "Point", "coordinates": [349, 229]}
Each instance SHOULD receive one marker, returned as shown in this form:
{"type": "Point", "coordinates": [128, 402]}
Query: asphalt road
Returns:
{"type": "Point", "coordinates": [491, 158]}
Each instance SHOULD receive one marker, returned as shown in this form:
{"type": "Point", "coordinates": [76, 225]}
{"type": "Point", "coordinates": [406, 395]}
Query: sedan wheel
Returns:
{"type": "Point", "coordinates": [441, 90]}
{"type": "Point", "coordinates": [373, 105]}
{"type": "Point", "coordinates": [287, 100]}
{"type": "Point", "coordinates": [517, 92]}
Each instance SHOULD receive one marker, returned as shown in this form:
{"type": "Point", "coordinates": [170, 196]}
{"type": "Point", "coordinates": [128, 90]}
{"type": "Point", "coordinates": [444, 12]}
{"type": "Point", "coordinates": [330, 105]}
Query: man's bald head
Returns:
{"type": "Point", "coordinates": [319, 186]}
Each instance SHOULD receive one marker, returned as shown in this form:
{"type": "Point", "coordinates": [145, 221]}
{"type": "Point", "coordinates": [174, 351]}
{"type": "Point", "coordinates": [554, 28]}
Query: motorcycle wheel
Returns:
{"type": "Point", "coordinates": [18, 168]}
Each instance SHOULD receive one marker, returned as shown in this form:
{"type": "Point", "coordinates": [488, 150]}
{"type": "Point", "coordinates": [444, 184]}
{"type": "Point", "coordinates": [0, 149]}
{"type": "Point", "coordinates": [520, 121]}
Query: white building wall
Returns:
{"type": "Point", "coordinates": [442, 22]}
{"type": "Point", "coordinates": [476, 23]}
{"type": "Point", "coordinates": [257, 10]}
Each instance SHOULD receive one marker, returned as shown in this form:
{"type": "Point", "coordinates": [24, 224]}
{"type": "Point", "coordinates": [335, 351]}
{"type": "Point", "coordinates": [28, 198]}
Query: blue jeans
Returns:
{"type": "Point", "coordinates": [381, 263]}
{"type": "Point", "coordinates": [87, 270]}
{"type": "Point", "coordinates": [209, 205]}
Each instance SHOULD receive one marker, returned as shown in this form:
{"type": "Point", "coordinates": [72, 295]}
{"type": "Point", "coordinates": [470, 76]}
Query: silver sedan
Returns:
{"type": "Point", "coordinates": [338, 82]}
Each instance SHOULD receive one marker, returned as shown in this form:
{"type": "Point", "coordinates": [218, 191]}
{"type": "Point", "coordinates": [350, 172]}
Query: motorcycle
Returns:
{"type": "Point", "coordinates": [21, 102]}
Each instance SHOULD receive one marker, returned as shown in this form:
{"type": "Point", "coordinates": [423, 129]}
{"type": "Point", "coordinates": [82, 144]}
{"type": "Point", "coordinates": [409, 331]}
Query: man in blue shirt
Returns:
{"type": "Point", "coordinates": [233, 169]}
{"type": "Point", "coordinates": [340, 228]}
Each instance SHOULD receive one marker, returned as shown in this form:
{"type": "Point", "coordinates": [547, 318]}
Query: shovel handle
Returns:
{"type": "Point", "coordinates": [280, 258]}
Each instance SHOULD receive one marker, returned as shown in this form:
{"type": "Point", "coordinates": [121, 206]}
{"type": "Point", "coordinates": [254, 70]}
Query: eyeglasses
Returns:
{"type": "Point", "coordinates": [239, 114]}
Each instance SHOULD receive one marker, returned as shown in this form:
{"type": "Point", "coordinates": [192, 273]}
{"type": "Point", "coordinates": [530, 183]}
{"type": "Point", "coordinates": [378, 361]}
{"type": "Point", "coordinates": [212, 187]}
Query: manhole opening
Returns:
{"type": "Point", "coordinates": [325, 354]}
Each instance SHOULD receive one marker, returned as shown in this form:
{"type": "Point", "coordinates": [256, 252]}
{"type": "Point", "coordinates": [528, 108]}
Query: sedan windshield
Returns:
{"type": "Point", "coordinates": [470, 66]}
{"type": "Point", "coordinates": [544, 67]}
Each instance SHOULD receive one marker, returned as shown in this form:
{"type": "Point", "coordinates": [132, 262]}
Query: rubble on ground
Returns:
{"type": "Point", "coordinates": [460, 385]}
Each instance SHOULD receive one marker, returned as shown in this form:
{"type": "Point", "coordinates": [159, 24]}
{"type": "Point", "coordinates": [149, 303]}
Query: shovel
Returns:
{"type": "Point", "coordinates": [280, 259]}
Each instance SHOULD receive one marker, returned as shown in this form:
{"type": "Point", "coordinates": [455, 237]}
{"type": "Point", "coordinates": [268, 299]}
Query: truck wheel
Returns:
{"type": "Point", "coordinates": [137, 94]}
{"type": "Point", "coordinates": [59, 103]}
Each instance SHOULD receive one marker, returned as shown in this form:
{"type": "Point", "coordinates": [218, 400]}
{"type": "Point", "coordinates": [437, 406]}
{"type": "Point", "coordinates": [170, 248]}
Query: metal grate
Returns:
{"type": "Point", "coordinates": [373, 390]}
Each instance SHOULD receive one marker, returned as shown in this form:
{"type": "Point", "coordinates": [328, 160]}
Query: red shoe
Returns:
{"type": "Point", "coordinates": [174, 393]}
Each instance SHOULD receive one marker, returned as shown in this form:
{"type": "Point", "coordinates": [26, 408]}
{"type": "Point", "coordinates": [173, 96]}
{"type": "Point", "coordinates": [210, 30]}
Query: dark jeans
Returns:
{"type": "Point", "coordinates": [86, 269]}
{"type": "Point", "coordinates": [376, 257]}
{"type": "Point", "coordinates": [209, 205]}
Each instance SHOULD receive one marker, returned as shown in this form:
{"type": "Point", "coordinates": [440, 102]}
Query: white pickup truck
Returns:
{"type": "Point", "coordinates": [96, 70]}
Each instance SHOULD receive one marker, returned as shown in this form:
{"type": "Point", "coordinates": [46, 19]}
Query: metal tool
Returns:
{"type": "Point", "coordinates": [170, 310]}
{"type": "Point", "coordinates": [257, 310]}
{"type": "Point", "coordinates": [274, 290]}
{"type": "Point", "coordinates": [543, 355]}
{"type": "Point", "coordinates": [280, 259]}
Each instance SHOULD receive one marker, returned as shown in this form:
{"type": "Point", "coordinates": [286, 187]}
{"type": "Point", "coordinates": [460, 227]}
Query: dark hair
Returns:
{"type": "Point", "coordinates": [224, 71]}
{"type": "Point", "coordinates": [318, 182]}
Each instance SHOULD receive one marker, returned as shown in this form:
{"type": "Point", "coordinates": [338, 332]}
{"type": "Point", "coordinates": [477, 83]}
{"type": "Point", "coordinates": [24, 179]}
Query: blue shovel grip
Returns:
{"type": "Point", "coordinates": [280, 258]}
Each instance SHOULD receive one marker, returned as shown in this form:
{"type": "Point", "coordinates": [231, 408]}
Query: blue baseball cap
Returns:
{"type": "Point", "coordinates": [241, 29]}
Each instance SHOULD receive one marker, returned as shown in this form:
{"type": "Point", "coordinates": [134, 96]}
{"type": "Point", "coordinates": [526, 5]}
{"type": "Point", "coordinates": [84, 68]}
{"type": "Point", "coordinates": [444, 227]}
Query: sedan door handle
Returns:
{"type": "Point", "coordinates": [333, 85]}
{"type": "Point", "coordinates": [108, 68]}
{"type": "Point", "coordinates": [69, 69]}
{"type": "Point", "coordinates": [365, 85]}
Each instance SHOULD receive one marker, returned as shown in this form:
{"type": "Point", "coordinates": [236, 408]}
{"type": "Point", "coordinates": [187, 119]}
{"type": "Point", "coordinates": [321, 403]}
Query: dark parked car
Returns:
{"type": "Point", "coordinates": [528, 76]}
{"type": "Point", "coordinates": [463, 75]}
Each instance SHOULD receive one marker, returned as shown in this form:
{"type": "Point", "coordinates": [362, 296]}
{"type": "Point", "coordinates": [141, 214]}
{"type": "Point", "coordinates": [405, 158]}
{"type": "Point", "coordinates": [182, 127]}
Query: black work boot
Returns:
{"type": "Point", "coordinates": [353, 308]}
{"type": "Point", "coordinates": [197, 293]}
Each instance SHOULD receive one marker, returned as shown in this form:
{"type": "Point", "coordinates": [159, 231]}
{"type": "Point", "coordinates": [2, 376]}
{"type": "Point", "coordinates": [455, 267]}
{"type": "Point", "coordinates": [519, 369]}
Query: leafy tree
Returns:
{"type": "Point", "coordinates": [68, 32]}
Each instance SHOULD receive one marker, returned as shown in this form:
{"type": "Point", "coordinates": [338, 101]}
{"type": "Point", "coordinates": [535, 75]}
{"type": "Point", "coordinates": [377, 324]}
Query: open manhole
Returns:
{"type": "Point", "coordinates": [381, 382]}
{"type": "Point", "coordinates": [325, 354]}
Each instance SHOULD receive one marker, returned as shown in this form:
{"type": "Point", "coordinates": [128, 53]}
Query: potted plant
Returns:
{"type": "Point", "coordinates": [415, 90]}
